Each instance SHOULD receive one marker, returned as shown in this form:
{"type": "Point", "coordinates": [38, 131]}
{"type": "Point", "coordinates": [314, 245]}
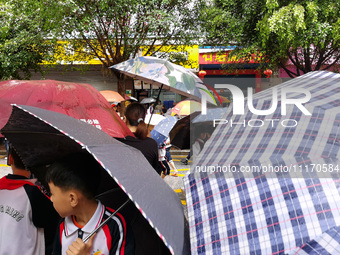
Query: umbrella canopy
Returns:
{"type": "Point", "coordinates": [180, 134]}
{"type": "Point", "coordinates": [40, 137]}
{"type": "Point", "coordinates": [224, 99]}
{"type": "Point", "coordinates": [148, 100]}
{"type": "Point", "coordinates": [206, 123]}
{"type": "Point", "coordinates": [161, 72]}
{"type": "Point", "coordinates": [211, 115]}
{"type": "Point", "coordinates": [252, 189]}
{"type": "Point", "coordinates": [112, 96]}
{"type": "Point", "coordinates": [153, 119]}
{"type": "Point", "coordinates": [186, 107]}
{"type": "Point", "coordinates": [321, 244]}
{"type": "Point", "coordinates": [161, 131]}
{"type": "Point", "coordinates": [78, 100]}
{"type": "Point", "coordinates": [129, 98]}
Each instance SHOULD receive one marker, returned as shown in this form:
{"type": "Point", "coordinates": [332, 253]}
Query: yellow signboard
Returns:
{"type": "Point", "coordinates": [68, 52]}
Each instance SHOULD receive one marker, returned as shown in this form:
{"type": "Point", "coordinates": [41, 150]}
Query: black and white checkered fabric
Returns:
{"type": "Point", "coordinates": [272, 189]}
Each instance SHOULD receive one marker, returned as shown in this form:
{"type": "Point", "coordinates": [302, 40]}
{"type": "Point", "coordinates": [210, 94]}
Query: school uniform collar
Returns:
{"type": "Point", "coordinates": [70, 228]}
{"type": "Point", "coordinates": [11, 182]}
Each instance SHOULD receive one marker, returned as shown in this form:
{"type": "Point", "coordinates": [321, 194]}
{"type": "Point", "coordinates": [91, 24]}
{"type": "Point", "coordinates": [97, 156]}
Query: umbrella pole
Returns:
{"type": "Point", "coordinates": [105, 221]}
{"type": "Point", "coordinates": [153, 108]}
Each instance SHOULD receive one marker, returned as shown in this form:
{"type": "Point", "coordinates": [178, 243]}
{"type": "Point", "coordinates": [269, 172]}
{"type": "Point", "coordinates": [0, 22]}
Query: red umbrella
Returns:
{"type": "Point", "coordinates": [78, 100]}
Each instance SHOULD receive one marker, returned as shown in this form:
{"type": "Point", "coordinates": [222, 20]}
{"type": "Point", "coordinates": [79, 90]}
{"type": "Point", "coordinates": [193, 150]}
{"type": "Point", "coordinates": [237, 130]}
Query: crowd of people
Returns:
{"type": "Point", "coordinates": [54, 219]}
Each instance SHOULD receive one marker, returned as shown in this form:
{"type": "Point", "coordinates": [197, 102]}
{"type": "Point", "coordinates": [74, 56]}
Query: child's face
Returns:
{"type": "Point", "coordinates": [61, 200]}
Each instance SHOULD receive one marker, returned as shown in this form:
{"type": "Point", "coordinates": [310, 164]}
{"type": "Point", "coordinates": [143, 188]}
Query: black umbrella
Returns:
{"type": "Point", "coordinates": [41, 137]}
{"type": "Point", "coordinates": [181, 135]}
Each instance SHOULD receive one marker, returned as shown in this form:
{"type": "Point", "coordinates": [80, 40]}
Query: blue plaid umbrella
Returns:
{"type": "Point", "coordinates": [273, 188]}
{"type": "Point", "coordinates": [327, 243]}
{"type": "Point", "coordinates": [161, 131]}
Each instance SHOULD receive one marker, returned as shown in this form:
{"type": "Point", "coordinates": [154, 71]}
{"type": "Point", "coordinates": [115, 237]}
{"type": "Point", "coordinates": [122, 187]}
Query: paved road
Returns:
{"type": "Point", "coordinates": [176, 183]}
{"type": "Point", "coordinates": [4, 169]}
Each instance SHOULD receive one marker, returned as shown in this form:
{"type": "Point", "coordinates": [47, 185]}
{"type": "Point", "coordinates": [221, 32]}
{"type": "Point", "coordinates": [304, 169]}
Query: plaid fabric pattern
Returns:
{"type": "Point", "coordinates": [238, 212]}
{"type": "Point", "coordinates": [326, 244]}
{"type": "Point", "coordinates": [212, 114]}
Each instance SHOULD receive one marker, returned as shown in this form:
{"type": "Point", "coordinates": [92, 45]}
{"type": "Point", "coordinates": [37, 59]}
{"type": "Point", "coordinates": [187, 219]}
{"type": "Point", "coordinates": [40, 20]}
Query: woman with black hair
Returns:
{"type": "Point", "coordinates": [134, 119]}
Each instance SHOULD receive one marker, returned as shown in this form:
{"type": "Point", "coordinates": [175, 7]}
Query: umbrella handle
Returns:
{"type": "Point", "coordinates": [153, 109]}
{"type": "Point", "coordinates": [104, 222]}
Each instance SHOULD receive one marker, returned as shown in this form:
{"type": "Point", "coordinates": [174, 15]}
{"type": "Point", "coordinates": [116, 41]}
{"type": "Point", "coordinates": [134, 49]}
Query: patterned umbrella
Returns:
{"type": "Point", "coordinates": [161, 131]}
{"type": "Point", "coordinates": [273, 188]}
{"type": "Point", "coordinates": [161, 72]}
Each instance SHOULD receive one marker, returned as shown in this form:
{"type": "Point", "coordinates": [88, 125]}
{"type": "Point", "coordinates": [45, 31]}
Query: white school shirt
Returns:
{"type": "Point", "coordinates": [18, 234]}
{"type": "Point", "coordinates": [102, 240]}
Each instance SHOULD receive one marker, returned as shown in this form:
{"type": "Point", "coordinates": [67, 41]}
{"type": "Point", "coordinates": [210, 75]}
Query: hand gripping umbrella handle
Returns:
{"type": "Point", "coordinates": [104, 222]}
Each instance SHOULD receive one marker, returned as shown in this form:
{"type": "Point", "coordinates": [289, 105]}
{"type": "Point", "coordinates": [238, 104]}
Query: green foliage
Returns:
{"type": "Point", "coordinates": [109, 30]}
{"type": "Point", "coordinates": [304, 32]}
{"type": "Point", "coordinates": [114, 30]}
{"type": "Point", "coordinates": [22, 43]}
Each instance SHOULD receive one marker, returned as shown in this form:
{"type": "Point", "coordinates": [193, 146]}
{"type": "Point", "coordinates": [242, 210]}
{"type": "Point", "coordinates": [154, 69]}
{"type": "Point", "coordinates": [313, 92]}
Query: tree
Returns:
{"type": "Point", "coordinates": [23, 46]}
{"type": "Point", "coordinates": [306, 33]}
{"type": "Point", "coordinates": [114, 31]}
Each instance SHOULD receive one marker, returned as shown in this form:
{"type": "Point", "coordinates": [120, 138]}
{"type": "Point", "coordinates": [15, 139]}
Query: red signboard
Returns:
{"type": "Point", "coordinates": [223, 58]}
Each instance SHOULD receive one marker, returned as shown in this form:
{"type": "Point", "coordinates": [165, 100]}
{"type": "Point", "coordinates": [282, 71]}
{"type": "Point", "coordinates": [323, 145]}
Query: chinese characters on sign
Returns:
{"type": "Point", "coordinates": [223, 58]}
{"type": "Point", "coordinates": [93, 122]}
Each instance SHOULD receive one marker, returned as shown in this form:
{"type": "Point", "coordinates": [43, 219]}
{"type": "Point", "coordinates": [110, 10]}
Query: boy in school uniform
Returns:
{"type": "Point", "coordinates": [73, 181]}
{"type": "Point", "coordinates": [27, 218]}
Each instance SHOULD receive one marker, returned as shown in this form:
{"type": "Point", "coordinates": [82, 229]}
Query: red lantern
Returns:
{"type": "Point", "coordinates": [268, 72]}
{"type": "Point", "coordinates": [201, 74]}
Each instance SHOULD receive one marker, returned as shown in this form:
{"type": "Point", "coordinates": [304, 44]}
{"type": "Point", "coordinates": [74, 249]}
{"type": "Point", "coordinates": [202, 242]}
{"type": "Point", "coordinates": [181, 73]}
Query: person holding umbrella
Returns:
{"type": "Point", "coordinates": [134, 119]}
{"type": "Point", "coordinates": [47, 136]}
{"type": "Point", "coordinates": [73, 181]}
{"type": "Point", "coordinates": [169, 158]}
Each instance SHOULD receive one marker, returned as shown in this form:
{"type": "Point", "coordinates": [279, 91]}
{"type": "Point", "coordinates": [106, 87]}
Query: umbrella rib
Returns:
{"type": "Point", "coordinates": [108, 192]}
{"type": "Point", "coordinates": [104, 222]}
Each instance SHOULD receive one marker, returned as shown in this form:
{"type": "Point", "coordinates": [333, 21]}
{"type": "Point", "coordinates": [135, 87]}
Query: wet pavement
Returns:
{"type": "Point", "coordinates": [4, 169]}
{"type": "Point", "coordinates": [176, 183]}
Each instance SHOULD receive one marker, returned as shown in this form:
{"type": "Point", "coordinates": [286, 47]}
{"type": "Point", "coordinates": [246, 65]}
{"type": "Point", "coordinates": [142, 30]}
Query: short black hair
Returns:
{"type": "Point", "coordinates": [17, 162]}
{"type": "Point", "coordinates": [79, 170]}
